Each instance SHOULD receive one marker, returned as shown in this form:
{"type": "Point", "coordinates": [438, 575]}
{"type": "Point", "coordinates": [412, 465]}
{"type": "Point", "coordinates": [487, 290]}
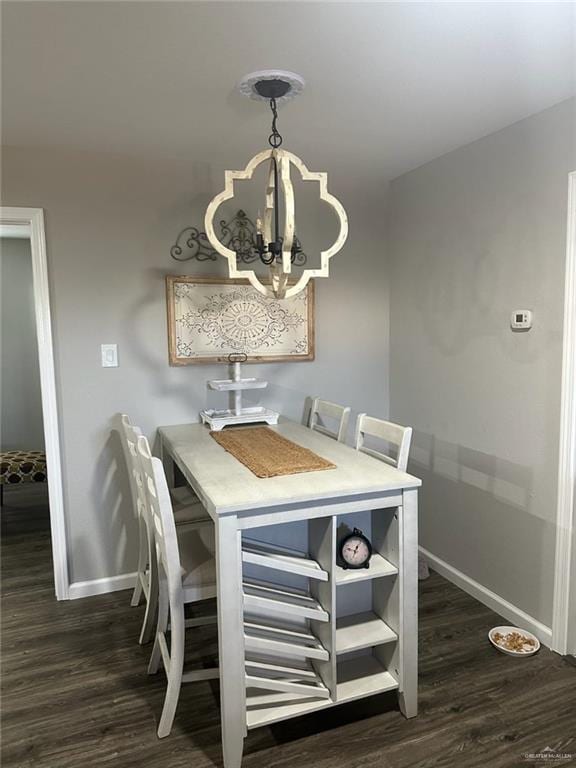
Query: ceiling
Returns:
{"type": "Point", "coordinates": [389, 85]}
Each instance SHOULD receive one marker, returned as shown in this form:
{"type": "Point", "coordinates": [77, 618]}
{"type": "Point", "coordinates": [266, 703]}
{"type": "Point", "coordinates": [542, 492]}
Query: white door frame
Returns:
{"type": "Point", "coordinates": [34, 218]}
{"type": "Point", "coordinates": [565, 520]}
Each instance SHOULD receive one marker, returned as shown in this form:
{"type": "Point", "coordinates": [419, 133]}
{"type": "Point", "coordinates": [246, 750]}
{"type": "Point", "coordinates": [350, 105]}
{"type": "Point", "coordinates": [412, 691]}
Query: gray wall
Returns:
{"type": "Point", "coordinates": [21, 426]}
{"type": "Point", "coordinates": [110, 222]}
{"type": "Point", "coordinates": [474, 235]}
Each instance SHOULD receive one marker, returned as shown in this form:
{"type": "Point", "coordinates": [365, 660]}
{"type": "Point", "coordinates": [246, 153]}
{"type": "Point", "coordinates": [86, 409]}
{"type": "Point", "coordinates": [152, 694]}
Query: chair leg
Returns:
{"type": "Point", "coordinates": [162, 625]}
{"type": "Point", "coordinates": [142, 563]}
{"type": "Point", "coordinates": [176, 667]}
{"type": "Point", "coordinates": [152, 602]}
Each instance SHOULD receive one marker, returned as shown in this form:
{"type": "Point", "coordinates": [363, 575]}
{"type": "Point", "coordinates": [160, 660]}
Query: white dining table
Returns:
{"type": "Point", "coordinates": [238, 501]}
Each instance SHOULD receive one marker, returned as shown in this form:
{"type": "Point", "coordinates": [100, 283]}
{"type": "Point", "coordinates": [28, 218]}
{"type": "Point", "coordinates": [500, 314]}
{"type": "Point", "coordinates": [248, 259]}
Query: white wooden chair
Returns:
{"type": "Point", "coordinates": [184, 514]}
{"type": "Point", "coordinates": [400, 438]}
{"type": "Point", "coordinates": [394, 435]}
{"type": "Point", "coordinates": [322, 410]}
{"type": "Point", "coordinates": [186, 574]}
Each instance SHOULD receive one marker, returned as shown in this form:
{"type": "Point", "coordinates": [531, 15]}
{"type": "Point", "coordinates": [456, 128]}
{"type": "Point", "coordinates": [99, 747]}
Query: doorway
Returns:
{"type": "Point", "coordinates": [564, 611]}
{"type": "Point", "coordinates": [32, 482]}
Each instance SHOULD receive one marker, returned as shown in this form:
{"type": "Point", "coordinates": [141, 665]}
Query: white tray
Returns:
{"type": "Point", "coordinates": [219, 419]}
{"type": "Point", "coordinates": [223, 385]}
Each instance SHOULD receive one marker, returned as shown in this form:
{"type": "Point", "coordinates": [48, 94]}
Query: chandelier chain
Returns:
{"type": "Point", "coordinates": [275, 139]}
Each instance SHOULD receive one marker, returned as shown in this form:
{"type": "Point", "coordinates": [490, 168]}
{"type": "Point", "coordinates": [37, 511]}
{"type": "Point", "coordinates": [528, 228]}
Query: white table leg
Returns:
{"type": "Point", "coordinates": [167, 462]}
{"type": "Point", "coordinates": [230, 640]}
{"type": "Point", "coordinates": [408, 694]}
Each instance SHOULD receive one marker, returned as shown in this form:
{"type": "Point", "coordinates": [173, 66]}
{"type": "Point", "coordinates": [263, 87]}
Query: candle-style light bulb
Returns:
{"type": "Point", "coordinates": [258, 224]}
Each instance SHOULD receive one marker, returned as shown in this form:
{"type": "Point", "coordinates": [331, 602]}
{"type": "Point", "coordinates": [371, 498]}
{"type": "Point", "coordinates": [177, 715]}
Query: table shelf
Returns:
{"type": "Point", "coordinates": [282, 559]}
{"type": "Point", "coordinates": [268, 708]}
{"type": "Point", "coordinates": [276, 677]}
{"type": "Point", "coordinates": [264, 638]}
{"type": "Point", "coordinates": [362, 676]}
{"type": "Point", "coordinates": [379, 567]}
{"type": "Point", "coordinates": [300, 669]}
{"type": "Point", "coordinates": [265, 597]}
{"type": "Point", "coordinates": [362, 630]}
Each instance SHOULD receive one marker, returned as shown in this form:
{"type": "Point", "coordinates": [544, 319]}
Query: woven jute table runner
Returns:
{"type": "Point", "coordinates": [268, 454]}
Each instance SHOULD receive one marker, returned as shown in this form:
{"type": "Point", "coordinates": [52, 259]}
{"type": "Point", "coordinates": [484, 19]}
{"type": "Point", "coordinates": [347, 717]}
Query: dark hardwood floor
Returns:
{"type": "Point", "coordinates": [76, 693]}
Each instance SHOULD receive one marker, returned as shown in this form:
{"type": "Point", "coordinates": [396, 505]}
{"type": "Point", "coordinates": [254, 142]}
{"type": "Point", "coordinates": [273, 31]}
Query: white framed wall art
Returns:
{"type": "Point", "coordinates": [211, 317]}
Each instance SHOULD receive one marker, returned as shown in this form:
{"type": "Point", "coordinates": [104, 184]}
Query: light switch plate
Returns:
{"type": "Point", "coordinates": [109, 355]}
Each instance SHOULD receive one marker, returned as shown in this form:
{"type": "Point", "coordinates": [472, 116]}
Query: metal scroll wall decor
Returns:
{"type": "Point", "coordinates": [276, 247]}
{"type": "Point", "coordinates": [238, 234]}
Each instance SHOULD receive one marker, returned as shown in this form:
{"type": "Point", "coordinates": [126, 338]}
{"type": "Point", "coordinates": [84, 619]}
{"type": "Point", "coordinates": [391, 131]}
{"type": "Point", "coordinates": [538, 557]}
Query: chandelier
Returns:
{"type": "Point", "coordinates": [277, 245]}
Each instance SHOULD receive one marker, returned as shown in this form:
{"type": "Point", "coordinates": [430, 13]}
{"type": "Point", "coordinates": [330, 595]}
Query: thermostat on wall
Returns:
{"type": "Point", "coordinates": [521, 320]}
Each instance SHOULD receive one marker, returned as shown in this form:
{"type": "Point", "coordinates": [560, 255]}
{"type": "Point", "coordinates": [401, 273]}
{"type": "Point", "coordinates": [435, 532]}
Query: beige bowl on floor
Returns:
{"type": "Point", "coordinates": [507, 630]}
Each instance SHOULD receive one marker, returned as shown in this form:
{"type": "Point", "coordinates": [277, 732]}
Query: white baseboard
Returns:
{"type": "Point", "coordinates": [489, 598]}
{"type": "Point", "coordinates": [101, 586]}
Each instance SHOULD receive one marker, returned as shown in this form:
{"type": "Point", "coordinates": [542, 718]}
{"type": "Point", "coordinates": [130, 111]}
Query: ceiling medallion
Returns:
{"type": "Point", "coordinates": [276, 248]}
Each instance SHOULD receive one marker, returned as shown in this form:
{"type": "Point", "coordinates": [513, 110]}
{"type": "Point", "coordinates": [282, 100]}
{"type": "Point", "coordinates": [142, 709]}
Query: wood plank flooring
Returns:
{"type": "Point", "coordinates": [76, 693]}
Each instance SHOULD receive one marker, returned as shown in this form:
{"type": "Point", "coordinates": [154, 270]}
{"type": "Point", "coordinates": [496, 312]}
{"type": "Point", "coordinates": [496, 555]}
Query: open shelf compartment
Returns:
{"type": "Point", "coordinates": [362, 630]}
{"type": "Point", "coordinates": [363, 676]}
{"type": "Point", "coordinates": [378, 568]}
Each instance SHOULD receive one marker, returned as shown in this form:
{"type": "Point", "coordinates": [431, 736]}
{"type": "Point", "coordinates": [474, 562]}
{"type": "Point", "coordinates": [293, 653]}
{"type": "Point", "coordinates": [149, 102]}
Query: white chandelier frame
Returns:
{"type": "Point", "coordinates": [280, 269]}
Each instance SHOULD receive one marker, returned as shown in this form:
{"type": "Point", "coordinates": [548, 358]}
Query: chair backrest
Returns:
{"type": "Point", "coordinates": [160, 513]}
{"type": "Point", "coordinates": [322, 410]}
{"type": "Point", "coordinates": [393, 434]}
{"type": "Point", "coordinates": [129, 435]}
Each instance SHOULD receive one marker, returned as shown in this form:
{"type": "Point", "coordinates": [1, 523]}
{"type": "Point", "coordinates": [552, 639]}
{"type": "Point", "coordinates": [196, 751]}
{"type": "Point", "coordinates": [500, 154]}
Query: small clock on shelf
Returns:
{"type": "Point", "coordinates": [355, 550]}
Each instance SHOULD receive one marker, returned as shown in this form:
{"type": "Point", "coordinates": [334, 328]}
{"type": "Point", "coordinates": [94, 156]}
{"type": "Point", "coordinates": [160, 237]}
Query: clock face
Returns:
{"type": "Point", "coordinates": [355, 551]}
